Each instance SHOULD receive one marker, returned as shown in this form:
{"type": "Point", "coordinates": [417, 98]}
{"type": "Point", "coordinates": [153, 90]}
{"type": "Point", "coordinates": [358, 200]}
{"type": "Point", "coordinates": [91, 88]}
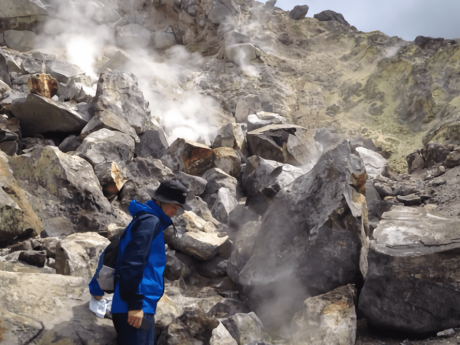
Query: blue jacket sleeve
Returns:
{"type": "Point", "coordinates": [94, 288]}
{"type": "Point", "coordinates": [134, 258]}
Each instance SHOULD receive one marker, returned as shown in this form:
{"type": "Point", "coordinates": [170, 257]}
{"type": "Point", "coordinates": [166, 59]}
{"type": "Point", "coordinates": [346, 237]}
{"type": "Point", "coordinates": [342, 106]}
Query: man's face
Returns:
{"type": "Point", "coordinates": [170, 209]}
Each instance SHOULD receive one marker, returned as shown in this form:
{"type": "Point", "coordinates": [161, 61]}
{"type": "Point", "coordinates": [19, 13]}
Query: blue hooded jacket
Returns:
{"type": "Point", "coordinates": [142, 261]}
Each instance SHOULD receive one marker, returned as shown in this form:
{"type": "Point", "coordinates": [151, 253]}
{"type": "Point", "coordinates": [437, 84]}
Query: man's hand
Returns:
{"type": "Point", "coordinates": [135, 318]}
{"type": "Point", "coordinates": [98, 297]}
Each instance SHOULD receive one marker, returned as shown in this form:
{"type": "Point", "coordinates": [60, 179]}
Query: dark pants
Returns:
{"type": "Point", "coordinates": [128, 335]}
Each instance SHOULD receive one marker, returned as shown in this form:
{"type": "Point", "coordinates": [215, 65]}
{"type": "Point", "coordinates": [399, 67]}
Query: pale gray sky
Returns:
{"type": "Point", "coordinates": [404, 18]}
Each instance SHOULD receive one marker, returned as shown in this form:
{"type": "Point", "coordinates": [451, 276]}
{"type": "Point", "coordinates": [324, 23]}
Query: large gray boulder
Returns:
{"type": "Point", "coordinates": [133, 36]}
{"type": "Point", "coordinates": [119, 92]}
{"type": "Point", "coordinates": [78, 254]}
{"type": "Point", "coordinates": [218, 179]}
{"type": "Point", "coordinates": [410, 284]}
{"type": "Point", "coordinates": [163, 39]}
{"type": "Point", "coordinates": [283, 143]}
{"type": "Point", "coordinates": [15, 211]}
{"type": "Point", "coordinates": [330, 232]}
{"type": "Point", "coordinates": [19, 40]}
{"type": "Point", "coordinates": [39, 115]}
{"type": "Point", "coordinates": [231, 135]}
{"type": "Point", "coordinates": [222, 10]}
{"type": "Point", "coordinates": [328, 319]}
{"type": "Point", "coordinates": [196, 237]}
{"type": "Point", "coordinates": [329, 15]}
{"type": "Point", "coordinates": [106, 146]}
{"type": "Point", "coordinates": [225, 203]}
{"type": "Point", "coordinates": [262, 119]}
{"type": "Point", "coordinates": [62, 190]}
{"type": "Point", "coordinates": [60, 304]}
{"type": "Point", "coordinates": [22, 14]}
{"type": "Point", "coordinates": [108, 120]}
{"type": "Point", "coordinates": [152, 143]}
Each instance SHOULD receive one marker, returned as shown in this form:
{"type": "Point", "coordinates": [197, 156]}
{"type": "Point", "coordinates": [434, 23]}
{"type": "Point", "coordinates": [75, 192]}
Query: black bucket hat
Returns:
{"type": "Point", "coordinates": [171, 192]}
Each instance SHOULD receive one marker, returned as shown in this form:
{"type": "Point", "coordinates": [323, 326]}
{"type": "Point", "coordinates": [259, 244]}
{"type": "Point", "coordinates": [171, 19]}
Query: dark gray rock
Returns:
{"type": "Point", "coordinates": [298, 12]}
{"type": "Point", "coordinates": [106, 146]}
{"type": "Point", "coordinates": [214, 268]}
{"type": "Point", "coordinates": [283, 143]}
{"type": "Point", "coordinates": [329, 15]}
{"type": "Point", "coordinates": [62, 71]}
{"type": "Point", "coordinates": [120, 93]}
{"type": "Point", "coordinates": [20, 40]}
{"type": "Point", "coordinates": [452, 159]}
{"type": "Point", "coordinates": [224, 204]}
{"type": "Point", "coordinates": [108, 120]}
{"type": "Point", "coordinates": [329, 247]}
{"type": "Point", "coordinates": [230, 135]}
{"type": "Point", "coordinates": [410, 200]}
{"type": "Point", "coordinates": [152, 143]}
{"type": "Point", "coordinates": [39, 115]}
{"type": "Point", "coordinates": [217, 179]}
{"type": "Point", "coordinates": [194, 184]}
{"type": "Point", "coordinates": [33, 258]}
{"type": "Point", "coordinates": [189, 328]}
{"type": "Point", "coordinates": [434, 153]}
{"type": "Point", "coordinates": [221, 10]}
{"type": "Point", "coordinates": [412, 261]}
{"type": "Point", "coordinates": [71, 143]}
{"type": "Point", "coordinates": [415, 161]}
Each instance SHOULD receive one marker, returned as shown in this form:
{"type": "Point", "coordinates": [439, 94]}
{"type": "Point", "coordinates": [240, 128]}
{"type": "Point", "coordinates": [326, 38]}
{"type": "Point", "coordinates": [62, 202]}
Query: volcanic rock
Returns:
{"type": "Point", "coordinates": [218, 179]}
{"type": "Point", "coordinates": [33, 258]}
{"type": "Point", "coordinates": [196, 237]}
{"type": "Point", "coordinates": [214, 268]}
{"type": "Point", "coordinates": [329, 15]}
{"type": "Point", "coordinates": [63, 71]}
{"type": "Point", "coordinates": [298, 12]}
{"type": "Point", "coordinates": [375, 164]}
{"type": "Point", "coordinates": [152, 143]}
{"type": "Point", "coordinates": [327, 319]}
{"type": "Point", "coordinates": [119, 93]}
{"type": "Point", "coordinates": [227, 160]}
{"type": "Point", "coordinates": [19, 40]}
{"type": "Point", "coordinates": [230, 135]}
{"type": "Point", "coordinates": [163, 39]}
{"type": "Point", "coordinates": [411, 263]}
{"type": "Point", "coordinates": [241, 54]}
{"type": "Point", "coordinates": [111, 178]}
{"type": "Point", "coordinates": [262, 119]}
{"type": "Point", "coordinates": [249, 104]}
{"type": "Point", "coordinates": [63, 190]}
{"type": "Point", "coordinates": [108, 120]}
{"type": "Point", "coordinates": [434, 153]}
{"type": "Point", "coordinates": [246, 328]}
{"type": "Point", "coordinates": [188, 156]}
{"type": "Point", "coordinates": [62, 308]}
{"type": "Point", "coordinates": [15, 211]}
{"type": "Point", "coordinates": [18, 329]}
{"type": "Point", "coordinates": [49, 246]}
{"type": "Point", "coordinates": [39, 115]}
{"type": "Point", "coordinates": [167, 311]}
{"type": "Point", "coordinates": [220, 336]}
{"type": "Point", "coordinates": [222, 10]}
{"type": "Point", "coordinates": [4, 75]}
{"type": "Point", "coordinates": [194, 184]}
{"type": "Point", "coordinates": [106, 146]}
{"type": "Point", "coordinates": [78, 254]}
{"type": "Point", "coordinates": [224, 204]}
{"type": "Point", "coordinates": [415, 161]}
{"type": "Point", "coordinates": [452, 159]}
{"type": "Point", "coordinates": [410, 200]}
{"type": "Point", "coordinates": [133, 36]}
{"type": "Point", "coordinates": [283, 143]}
{"type": "Point", "coordinates": [189, 328]}
{"type": "Point", "coordinates": [22, 14]}
{"type": "Point", "coordinates": [43, 85]}
{"type": "Point", "coordinates": [330, 186]}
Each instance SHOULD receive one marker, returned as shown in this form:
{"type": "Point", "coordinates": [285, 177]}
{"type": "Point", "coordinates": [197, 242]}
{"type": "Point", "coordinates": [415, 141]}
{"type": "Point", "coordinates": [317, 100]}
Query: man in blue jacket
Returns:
{"type": "Point", "coordinates": [142, 263]}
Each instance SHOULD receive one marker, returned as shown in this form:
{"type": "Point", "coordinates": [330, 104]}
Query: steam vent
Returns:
{"type": "Point", "coordinates": [322, 165]}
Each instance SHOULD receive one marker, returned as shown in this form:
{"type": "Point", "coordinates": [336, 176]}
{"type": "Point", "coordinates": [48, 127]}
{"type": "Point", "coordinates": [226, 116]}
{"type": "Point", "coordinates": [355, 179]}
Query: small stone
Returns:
{"type": "Point", "coordinates": [447, 333]}
{"type": "Point", "coordinates": [410, 200]}
{"type": "Point", "coordinates": [438, 181]}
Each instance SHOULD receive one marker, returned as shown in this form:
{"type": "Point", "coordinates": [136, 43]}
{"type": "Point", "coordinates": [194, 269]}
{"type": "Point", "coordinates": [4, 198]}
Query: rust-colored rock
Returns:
{"type": "Point", "coordinates": [228, 160]}
{"type": "Point", "coordinates": [43, 85]}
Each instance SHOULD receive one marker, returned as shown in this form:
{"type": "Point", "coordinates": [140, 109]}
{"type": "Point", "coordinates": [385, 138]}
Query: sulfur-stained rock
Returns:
{"type": "Point", "coordinates": [111, 178]}
{"type": "Point", "coordinates": [78, 254]}
{"type": "Point", "coordinates": [227, 160]}
{"type": "Point", "coordinates": [167, 311]}
{"type": "Point", "coordinates": [39, 115]}
{"type": "Point", "coordinates": [108, 120]}
{"type": "Point", "coordinates": [328, 319]}
{"type": "Point", "coordinates": [188, 156]}
{"type": "Point", "coordinates": [43, 85]}
{"type": "Point", "coordinates": [196, 237]}
{"type": "Point", "coordinates": [61, 305]}
{"type": "Point", "coordinates": [63, 190]}
{"type": "Point", "coordinates": [106, 146]}
{"type": "Point", "coordinates": [119, 92]}
{"type": "Point", "coordinates": [15, 211]}
{"type": "Point", "coordinates": [283, 143]}
{"type": "Point", "coordinates": [412, 261]}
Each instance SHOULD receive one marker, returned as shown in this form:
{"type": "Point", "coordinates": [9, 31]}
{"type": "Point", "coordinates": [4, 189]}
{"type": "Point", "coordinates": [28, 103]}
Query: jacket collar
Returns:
{"type": "Point", "coordinates": [150, 207]}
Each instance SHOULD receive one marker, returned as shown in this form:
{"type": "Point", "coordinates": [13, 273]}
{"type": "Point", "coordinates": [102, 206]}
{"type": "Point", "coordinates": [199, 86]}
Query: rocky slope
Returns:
{"type": "Point", "coordinates": [289, 133]}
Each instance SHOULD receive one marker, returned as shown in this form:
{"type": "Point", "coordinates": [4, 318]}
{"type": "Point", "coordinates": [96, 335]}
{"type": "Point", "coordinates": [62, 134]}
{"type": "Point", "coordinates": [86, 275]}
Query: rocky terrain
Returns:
{"type": "Point", "coordinates": [323, 165]}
